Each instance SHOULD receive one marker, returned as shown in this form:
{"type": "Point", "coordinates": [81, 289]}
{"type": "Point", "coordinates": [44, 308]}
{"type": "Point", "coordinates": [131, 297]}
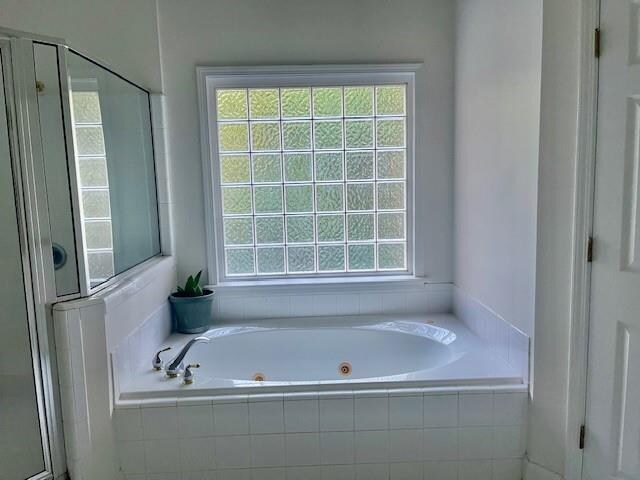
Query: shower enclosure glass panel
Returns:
{"type": "Point", "coordinates": [59, 201]}
{"type": "Point", "coordinates": [114, 160]}
{"type": "Point", "coordinates": [21, 448]}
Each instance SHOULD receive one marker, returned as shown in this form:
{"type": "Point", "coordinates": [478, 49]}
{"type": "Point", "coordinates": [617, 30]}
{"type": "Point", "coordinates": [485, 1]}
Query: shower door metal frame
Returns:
{"type": "Point", "coordinates": [33, 226]}
{"type": "Point", "coordinates": [25, 42]}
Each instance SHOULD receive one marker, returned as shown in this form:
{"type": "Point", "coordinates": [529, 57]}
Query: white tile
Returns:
{"type": "Point", "coordinates": [196, 454]}
{"type": "Point", "coordinates": [195, 420]}
{"type": "Point", "coordinates": [372, 446]}
{"type": "Point", "coordinates": [324, 305]}
{"type": "Point", "coordinates": [405, 446]}
{"type": "Point", "coordinates": [128, 424]}
{"type": "Point", "coordinates": [231, 308]}
{"type": "Point", "coordinates": [304, 473]}
{"type": "Point", "coordinates": [231, 418]}
{"type": "Point", "coordinates": [336, 448]}
{"type": "Point", "coordinates": [255, 307]}
{"type": "Point", "coordinates": [131, 457]}
{"type": "Point", "coordinates": [394, 303]}
{"type": "Point", "coordinates": [406, 471]}
{"type": "Point", "coordinates": [302, 449]}
{"type": "Point", "coordinates": [268, 474]}
{"type": "Point", "coordinates": [166, 233]}
{"type": "Point", "coordinates": [227, 399]}
{"type": "Point", "coordinates": [509, 442]}
{"type": "Point", "coordinates": [501, 342]}
{"type": "Point", "coordinates": [338, 472]}
{"type": "Point", "coordinates": [208, 475]}
{"type": "Point", "coordinates": [519, 352]}
{"type": "Point", "coordinates": [440, 444]}
{"type": "Point", "coordinates": [68, 408]}
{"type": "Point", "coordinates": [161, 476]}
{"type": "Point", "coordinates": [476, 443]}
{"type": "Point", "coordinates": [440, 470]}
{"type": "Point", "coordinates": [130, 477]}
{"type": "Point", "coordinates": [162, 456]}
{"type": "Point", "coordinates": [440, 411]}
{"type": "Point", "coordinates": [64, 368]}
{"type": "Point", "coordinates": [267, 450]}
{"type": "Point", "coordinates": [508, 469]}
{"type": "Point", "coordinates": [375, 393]}
{"type": "Point", "coordinates": [157, 108]}
{"type": "Point", "coordinates": [266, 417]}
{"type": "Point", "coordinates": [347, 304]}
{"type": "Point", "coordinates": [160, 423]}
{"type": "Point", "coordinates": [510, 408]}
{"type": "Point", "coordinates": [417, 302]}
{"type": "Point", "coordinates": [233, 451]}
{"type": "Point", "coordinates": [301, 416]}
{"type": "Point", "coordinates": [475, 409]}
{"type": "Point", "coordinates": [440, 302]}
{"type": "Point", "coordinates": [372, 471]}
{"type": "Point", "coordinates": [301, 305]}
{"type": "Point", "coordinates": [336, 414]}
{"type": "Point", "coordinates": [405, 412]}
{"type": "Point", "coordinates": [234, 474]}
{"type": "Point", "coordinates": [474, 470]}
{"type": "Point", "coordinates": [277, 306]}
{"type": "Point", "coordinates": [370, 303]}
{"type": "Point", "coordinates": [371, 413]}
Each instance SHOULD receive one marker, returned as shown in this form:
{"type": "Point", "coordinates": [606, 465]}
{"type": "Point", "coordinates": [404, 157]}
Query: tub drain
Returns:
{"type": "Point", "coordinates": [259, 377]}
{"type": "Point", "coordinates": [344, 369]}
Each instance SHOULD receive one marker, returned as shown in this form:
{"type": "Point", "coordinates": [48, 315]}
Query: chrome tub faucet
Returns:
{"type": "Point", "coordinates": [176, 366]}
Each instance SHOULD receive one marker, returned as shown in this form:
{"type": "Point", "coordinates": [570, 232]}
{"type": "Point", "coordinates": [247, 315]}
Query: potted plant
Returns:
{"type": "Point", "coordinates": [192, 306]}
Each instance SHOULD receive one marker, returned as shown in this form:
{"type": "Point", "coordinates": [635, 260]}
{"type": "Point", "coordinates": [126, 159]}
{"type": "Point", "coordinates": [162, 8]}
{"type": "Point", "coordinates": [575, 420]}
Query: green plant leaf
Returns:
{"type": "Point", "coordinates": [196, 280]}
{"type": "Point", "coordinates": [189, 285]}
{"type": "Point", "coordinates": [192, 286]}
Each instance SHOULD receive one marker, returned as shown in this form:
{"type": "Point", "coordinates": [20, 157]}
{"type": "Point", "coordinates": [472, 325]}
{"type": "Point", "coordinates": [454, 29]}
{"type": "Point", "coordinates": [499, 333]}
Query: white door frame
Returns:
{"type": "Point", "coordinates": [582, 231]}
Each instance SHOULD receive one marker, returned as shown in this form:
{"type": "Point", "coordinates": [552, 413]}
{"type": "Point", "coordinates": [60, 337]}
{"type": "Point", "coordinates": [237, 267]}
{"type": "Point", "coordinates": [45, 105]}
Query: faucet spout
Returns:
{"type": "Point", "coordinates": [176, 366]}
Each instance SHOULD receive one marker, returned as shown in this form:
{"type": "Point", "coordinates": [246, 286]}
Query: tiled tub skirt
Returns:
{"type": "Point", "coordinates": [405, 434]}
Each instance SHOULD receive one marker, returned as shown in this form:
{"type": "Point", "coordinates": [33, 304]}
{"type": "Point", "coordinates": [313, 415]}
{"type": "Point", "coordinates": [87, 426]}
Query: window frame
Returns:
{"type": "Point", "coordinates": [211, 78]}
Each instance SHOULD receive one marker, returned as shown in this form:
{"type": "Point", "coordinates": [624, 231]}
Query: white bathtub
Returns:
{"type": "Point", "coordinates": [310, 354]}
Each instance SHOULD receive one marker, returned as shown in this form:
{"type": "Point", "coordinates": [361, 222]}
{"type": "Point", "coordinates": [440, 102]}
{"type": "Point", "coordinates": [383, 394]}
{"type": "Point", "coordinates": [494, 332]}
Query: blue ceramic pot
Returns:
{"type": "Point", "coordinates": [192, 314]}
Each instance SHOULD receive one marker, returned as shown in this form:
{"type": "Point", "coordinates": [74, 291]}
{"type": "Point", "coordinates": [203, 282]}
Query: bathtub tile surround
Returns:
{"type": "Point", "coordinates": [162, 166]}
{"type": "Point", "coordinates": [391, 433]}
{"type": "Point", "coordinates": [505, 340]}
{"type": "Point", "coordinates": [237, 304]}
{"type": "Point", "coordinates": [431, 434]}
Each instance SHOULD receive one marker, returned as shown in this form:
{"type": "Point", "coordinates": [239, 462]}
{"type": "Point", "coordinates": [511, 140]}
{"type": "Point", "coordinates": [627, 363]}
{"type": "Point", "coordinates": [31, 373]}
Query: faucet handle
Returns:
{"type": "Point", "coordinates": [188, 374]}
{"type": "Point", "coordinates": [157, 362]}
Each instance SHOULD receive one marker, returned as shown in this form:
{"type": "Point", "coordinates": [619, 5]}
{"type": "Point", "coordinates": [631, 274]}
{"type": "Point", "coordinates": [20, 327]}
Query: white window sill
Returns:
{"type": "Point", "coordinates": [320, 285]}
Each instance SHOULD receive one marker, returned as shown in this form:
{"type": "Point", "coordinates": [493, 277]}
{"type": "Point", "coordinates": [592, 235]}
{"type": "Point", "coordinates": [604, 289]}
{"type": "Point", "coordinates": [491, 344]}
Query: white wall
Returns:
{"type": "Point", "coordinates": [122, 33]}
{"type": "Point", "coordinates": [229, 32]}
{"type": "Point", "coordinates": [497, 97]}
{"type": "Point", "coordinates": [556, 184]}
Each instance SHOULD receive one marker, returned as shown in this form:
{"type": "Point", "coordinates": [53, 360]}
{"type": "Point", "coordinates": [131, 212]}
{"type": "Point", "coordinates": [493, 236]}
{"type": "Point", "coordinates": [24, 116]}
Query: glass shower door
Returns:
{"type": "Point", "coordinates": [21, 446]}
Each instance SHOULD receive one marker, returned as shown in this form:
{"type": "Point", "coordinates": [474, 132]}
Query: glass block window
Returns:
{"type": "Point", "coordinates": [91, 161]}
{"type": "Point", "coordinates": [312, 179]}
